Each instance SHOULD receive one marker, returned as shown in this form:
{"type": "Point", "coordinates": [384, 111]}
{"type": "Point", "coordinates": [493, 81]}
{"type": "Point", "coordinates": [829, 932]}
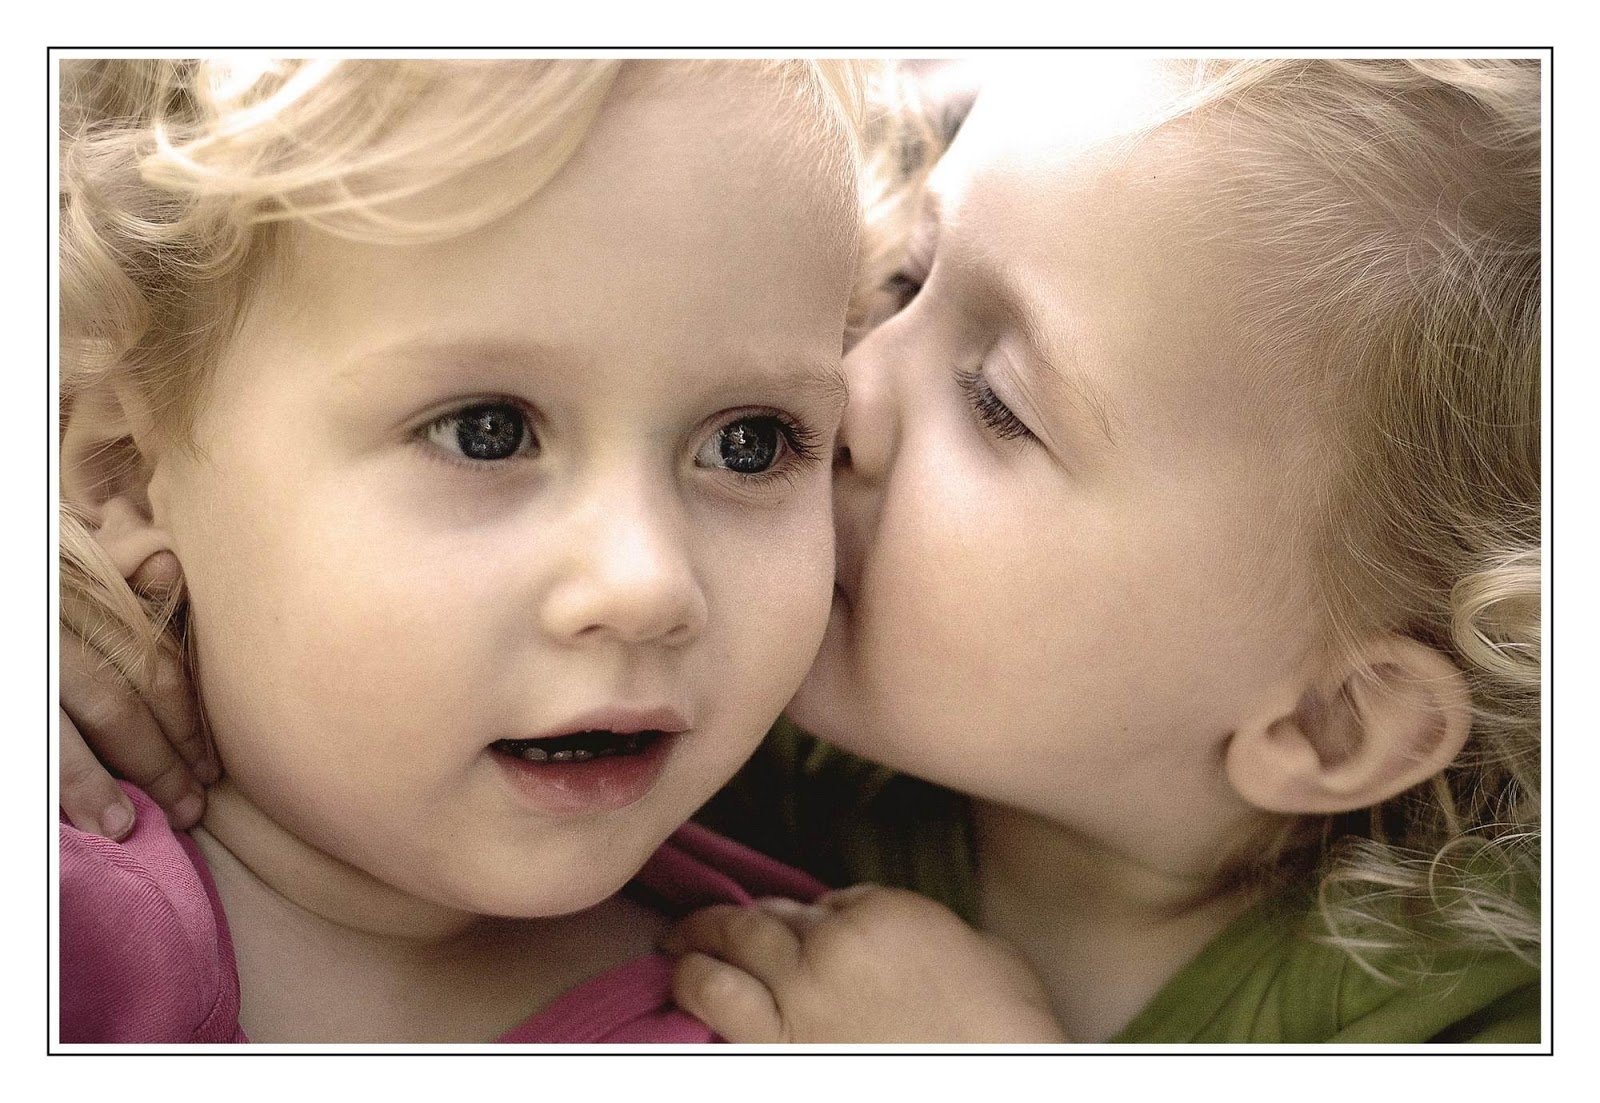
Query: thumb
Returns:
{"type": "Point", "coordinates": [158, 577]}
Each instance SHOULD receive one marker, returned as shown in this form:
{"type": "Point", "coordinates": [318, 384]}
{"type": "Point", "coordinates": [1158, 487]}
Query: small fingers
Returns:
{"type": "Point", "coordinates": [89, 796]}
{"type": "Point", "coordinates": [840, 899]}
{"type": "Point", "coordinates": [158, 576]}
{"type": "Point", "coordinates": [730, 1001]}
{"type": "Point", "coordinates": [753, 940]}
{"type": "Point", "coordinates": [799, 918]}
{"type": "Point", "coordinates": [876, 907]}
{"type": "Point", "coordinates": [109, 716]}
{"type": "Point", "coordinates": [170, 698]}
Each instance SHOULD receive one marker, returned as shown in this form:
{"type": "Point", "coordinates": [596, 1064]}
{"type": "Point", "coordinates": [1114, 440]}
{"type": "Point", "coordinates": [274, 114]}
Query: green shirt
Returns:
{"type": "Point", "coordinates": [1265, 979]}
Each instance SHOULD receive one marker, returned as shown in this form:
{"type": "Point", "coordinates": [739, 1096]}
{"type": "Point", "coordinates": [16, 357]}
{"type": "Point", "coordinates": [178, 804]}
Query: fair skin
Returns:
{"type": "Point", "coordinates": [566, 473]}
{"type": "Point", "coordinates": [1058, 492]}
{"type": "Point", "coordinates": [1054, 581]}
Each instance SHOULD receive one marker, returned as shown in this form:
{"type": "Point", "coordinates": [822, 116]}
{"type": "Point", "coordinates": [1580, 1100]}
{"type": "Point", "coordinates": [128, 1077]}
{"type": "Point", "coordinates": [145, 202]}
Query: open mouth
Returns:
{"type": "Point", "coordinates": [579, 746]}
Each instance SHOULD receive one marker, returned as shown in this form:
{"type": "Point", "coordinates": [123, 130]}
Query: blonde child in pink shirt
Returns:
{"type": "Point", "coordinates": [486, 409]}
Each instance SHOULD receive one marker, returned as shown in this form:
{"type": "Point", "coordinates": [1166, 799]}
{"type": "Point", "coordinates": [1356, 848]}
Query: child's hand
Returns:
{"type": "Point", "coordinates": [147, 731]}
{"type": "Point", "coordinates": [865, 964]}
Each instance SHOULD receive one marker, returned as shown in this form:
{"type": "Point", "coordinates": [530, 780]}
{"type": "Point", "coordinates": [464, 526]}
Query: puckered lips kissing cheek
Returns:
{"type": "Point", "coordinates": [855, 517]}
{"type": "Point", "coordinates": [602, 761]}
{"type": "Point", "coordinates": [828, 703]}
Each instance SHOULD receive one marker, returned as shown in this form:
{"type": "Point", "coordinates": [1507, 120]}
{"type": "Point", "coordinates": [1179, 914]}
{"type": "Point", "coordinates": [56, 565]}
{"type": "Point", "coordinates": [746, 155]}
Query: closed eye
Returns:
{"type": "Point", "coordinates": [991, 410]}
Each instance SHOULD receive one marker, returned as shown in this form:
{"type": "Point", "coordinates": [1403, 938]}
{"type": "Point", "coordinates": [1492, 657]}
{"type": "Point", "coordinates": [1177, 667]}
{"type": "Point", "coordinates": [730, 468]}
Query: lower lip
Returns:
{"type": "Point", "coordinates": [598, 785]}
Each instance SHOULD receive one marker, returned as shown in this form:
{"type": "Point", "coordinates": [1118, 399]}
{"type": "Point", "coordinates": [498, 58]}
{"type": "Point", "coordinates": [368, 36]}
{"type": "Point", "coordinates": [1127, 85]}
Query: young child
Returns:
{"type": "Point", "coordinates": [484, 410]}
{"type": "Point", "coordinates": [1189, 527]}
{"type": "Point", "coordinates": [1181, 540]}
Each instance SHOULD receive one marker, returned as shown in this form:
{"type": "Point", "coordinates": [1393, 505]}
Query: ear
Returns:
{"type": "Point", "coordinates": [1387, 719]}
{"type": "Point", "coordinates": [105, 479]}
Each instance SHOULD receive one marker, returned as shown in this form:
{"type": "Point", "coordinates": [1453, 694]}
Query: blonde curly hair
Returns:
{"type": "Point", "coordinates": [177, 178]}
{"type": "Point", "coordinates": [1403, 198]}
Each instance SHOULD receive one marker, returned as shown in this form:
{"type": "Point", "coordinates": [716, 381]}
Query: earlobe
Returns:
{"type": "Point", "coordinates": [1389, 719]}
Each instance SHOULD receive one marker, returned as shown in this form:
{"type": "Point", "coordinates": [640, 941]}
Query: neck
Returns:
{"type": "Point", "coordinates": [271, 864]}
{"type": "Point", "coordinates": [1104, 928]}
{"type": "Point", "coordinates": [328, 953]}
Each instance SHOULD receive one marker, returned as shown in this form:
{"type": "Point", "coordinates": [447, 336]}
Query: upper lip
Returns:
{"type": "Point", "coordinates": [622, 719]}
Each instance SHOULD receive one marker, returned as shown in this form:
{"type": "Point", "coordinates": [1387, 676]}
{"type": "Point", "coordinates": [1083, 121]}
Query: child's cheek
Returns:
{"type": "Point", "coordinates": [769, 581]}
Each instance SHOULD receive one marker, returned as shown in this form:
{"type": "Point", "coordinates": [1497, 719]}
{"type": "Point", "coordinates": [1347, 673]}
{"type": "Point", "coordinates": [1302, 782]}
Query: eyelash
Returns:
{"type": "Point", "coordinates": [801, 445]}
{"type": "Point", "coordinates": [529, 445]}
{"type": "Point", "coordinates": [994, 413]}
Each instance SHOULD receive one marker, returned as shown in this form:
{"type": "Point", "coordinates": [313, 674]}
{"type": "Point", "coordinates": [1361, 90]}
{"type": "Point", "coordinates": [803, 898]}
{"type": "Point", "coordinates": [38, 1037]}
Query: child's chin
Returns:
{"type": "Point", "coordinates": [538, 901]}
{"type": "Point", "coordinates": [518, 884]}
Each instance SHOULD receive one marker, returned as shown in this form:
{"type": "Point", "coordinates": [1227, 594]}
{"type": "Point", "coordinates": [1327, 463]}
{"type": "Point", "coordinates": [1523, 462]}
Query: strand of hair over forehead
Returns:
{"type": "Point", "coordinates": [1501, 86]}
{"type": "Point", "coordinates": [337, 144]}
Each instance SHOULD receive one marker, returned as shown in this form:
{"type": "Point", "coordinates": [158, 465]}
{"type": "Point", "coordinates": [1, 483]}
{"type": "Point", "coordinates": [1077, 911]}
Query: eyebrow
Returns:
{"type": "Point", "coordinates": [1029, 311]}
{"type": "Point", "coordinates": [1050, 351]}
{"type": "Point", "coordinates": [445, 351]}
{"type": "Point", "coordinates": [1046, 333]}
{"type": "Point", "coordinates": [821, 381]}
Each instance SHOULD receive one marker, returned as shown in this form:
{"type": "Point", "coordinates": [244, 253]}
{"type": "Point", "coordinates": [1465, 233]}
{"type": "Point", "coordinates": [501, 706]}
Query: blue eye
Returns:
{"type": "Point", "coordinates": [485, 431]}
{"type": "Point", "coordinates": [754, 445]}
{"type": "Point", "coordinates": [993, 412]}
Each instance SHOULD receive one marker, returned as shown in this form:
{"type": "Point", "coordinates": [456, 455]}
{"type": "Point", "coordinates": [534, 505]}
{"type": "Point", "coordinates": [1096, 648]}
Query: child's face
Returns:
{"type": "Point", "coordinates": [567, 472]}
{"type": "Point", "coordinates": [1055, 586]}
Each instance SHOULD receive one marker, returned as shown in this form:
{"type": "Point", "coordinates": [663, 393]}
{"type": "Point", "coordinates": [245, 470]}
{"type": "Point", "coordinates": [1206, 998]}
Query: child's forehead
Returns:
{"type": "Point", "coordinates": [1111, 251]}
{"type": "Point", "coordinates": [787, 101]}
{"type": "Point", "coordinates": [1020, 194]}
{"type": "Point", "coordinates": [1049, 109]}
{"type": "Point", "coordinates": [1026, 147]}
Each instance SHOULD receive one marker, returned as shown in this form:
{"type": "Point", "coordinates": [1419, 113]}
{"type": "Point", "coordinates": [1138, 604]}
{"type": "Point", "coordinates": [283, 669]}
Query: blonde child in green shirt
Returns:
{"type": "Point", "coordinates": [1189, 527]}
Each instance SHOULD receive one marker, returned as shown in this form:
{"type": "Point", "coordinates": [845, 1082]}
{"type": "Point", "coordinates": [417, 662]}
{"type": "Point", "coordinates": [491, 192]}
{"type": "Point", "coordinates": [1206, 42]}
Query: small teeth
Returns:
{"type": "Point", "coordinates": [574, 756]}
{"type": "Point", "coordinates": [629, 745]}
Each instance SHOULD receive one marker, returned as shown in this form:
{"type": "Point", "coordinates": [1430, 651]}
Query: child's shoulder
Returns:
{"type": "Point", "coordinates": [145, 952]}
{"type": "Point", "coordinates": [1273, 976]}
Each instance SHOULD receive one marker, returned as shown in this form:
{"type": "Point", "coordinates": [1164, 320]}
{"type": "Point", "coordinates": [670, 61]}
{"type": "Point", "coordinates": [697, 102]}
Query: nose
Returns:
{"type": "Point", "coordinates": [869, 431]}
{"type": "Point", "coordinates": [629, 575]}
{"type": "Point", "coordinates": [869, 436]}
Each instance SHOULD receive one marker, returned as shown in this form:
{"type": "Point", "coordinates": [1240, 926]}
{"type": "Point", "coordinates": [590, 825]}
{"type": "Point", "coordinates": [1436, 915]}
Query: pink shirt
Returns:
{"type": "Point", "coordinates": [146, 955]}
